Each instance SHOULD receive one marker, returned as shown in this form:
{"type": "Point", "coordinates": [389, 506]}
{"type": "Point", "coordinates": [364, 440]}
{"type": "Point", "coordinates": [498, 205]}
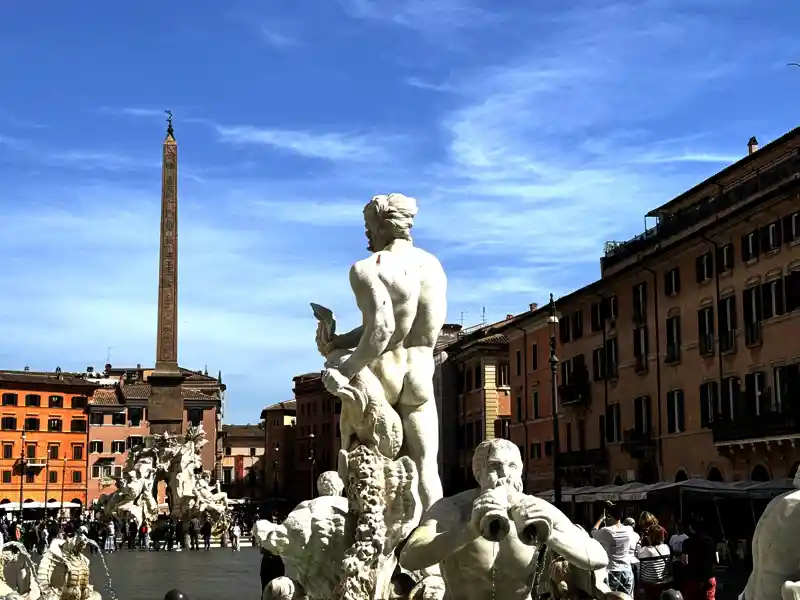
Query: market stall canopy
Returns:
{"type": "Point", "coordinates": [50, 504]}
{"type": "Point", "coordinates": [636, 491]}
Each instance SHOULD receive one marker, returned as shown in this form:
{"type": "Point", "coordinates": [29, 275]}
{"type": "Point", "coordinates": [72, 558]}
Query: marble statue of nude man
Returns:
{"type": "Point", "coordinates": [401, 292]}
{"type": "Point", "coordinates": [485, 540]}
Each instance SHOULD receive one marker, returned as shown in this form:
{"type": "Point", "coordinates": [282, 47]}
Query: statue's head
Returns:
{"type": "Point", "coordinates": [389, 217]}
{"type": "Point", "coordinates": [330, 484]}
{"type": "Point", "coordinates": [497, 463]}
{"type": "Point", "coordinates": [75, 540]}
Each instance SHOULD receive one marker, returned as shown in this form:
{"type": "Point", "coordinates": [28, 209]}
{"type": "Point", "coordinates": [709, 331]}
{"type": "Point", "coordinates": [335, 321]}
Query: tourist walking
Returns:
{"type": "Point", "coordinates": [617, 539]}
{"type": "Point", "coordinates": [655, 562]}
{"type": "Point", "coordinates": [700, 553]}
{"type": "Point", "coordinates": [236, 533]}
{"type": "Point", "coordinates": [111, 537]}
{"type": "Point", "coordinates": [194, 531]}
{"type": "Point", "coordinates": [205, 530]}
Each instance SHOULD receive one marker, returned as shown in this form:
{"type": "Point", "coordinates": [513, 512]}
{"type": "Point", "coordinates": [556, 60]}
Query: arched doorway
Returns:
{"type": "Point", "coordinates": [760, 473]}
{"type": "Point", "coordinates": [618, 480]}
{"type": "Point", "coordinates": [681, 476]}
{"type": "Point", "coordinates": [714, 474]}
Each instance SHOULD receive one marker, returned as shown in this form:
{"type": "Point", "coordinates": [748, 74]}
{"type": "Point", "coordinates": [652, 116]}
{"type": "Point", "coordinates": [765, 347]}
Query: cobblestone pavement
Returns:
{"type": "Point", "coordinates": [215, 575]}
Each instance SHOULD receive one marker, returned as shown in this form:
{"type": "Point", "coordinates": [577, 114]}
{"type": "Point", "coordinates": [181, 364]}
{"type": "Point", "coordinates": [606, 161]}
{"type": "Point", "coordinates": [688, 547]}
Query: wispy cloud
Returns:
{"type": "Point", "coordinates": [426, 85]}
{"type": "Point", "coordinates": [277, 39]}
{"type": "Point", "coordinates": [134, 111]}
{"type": "Point", "coordinates": [329, 146]}
{"type": "Point", "coordinates": [421, 15]}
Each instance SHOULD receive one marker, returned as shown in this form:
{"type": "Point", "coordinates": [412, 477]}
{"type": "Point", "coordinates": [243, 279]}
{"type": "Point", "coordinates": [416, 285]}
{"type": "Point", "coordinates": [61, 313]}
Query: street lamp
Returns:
{"type": "Point", "coordinates": [46, 482]}
{"type": "Point", "coordinates": [22, 472]}
{"type": "Point", "coordinates": [553, 322]}
{"type": "Point", "coordinates": [312, 457]}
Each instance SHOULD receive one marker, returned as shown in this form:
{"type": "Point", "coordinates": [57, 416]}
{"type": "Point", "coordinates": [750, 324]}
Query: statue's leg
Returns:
{"type": "Point", "coordinates": [417, 408]}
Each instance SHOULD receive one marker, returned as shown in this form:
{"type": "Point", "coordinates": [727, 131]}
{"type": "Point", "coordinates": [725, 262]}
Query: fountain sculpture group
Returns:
{"type": "Point", "coordinates": [392, 534]}
{"type": "Point", "coordinates": [177, 461]}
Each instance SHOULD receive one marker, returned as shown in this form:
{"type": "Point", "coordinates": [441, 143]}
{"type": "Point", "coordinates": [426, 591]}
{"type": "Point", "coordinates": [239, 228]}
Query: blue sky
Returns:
{"type": "Point", "coordinates": [530, 134]}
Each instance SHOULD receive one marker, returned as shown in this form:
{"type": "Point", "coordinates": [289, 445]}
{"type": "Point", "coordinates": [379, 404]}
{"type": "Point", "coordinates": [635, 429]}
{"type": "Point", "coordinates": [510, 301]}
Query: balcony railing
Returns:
{"type": "Point", "coordinates": [727, 342]}
{"type": "Point", "coordinates": [755, 427]}
{"type": "Point", "coordinates": [638, 442]}
{"type": "Point", "coordinates": [781, 173]}
{"type": "Point", "coordinates": [752, 334]}
{"type": "Point", "coordinates": [595, 458]}
{"type": "Point", "coordinates": [575, 393]}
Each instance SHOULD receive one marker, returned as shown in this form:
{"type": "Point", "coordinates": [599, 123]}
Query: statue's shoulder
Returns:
{"type": "Point", "coordinates": [453, 508]}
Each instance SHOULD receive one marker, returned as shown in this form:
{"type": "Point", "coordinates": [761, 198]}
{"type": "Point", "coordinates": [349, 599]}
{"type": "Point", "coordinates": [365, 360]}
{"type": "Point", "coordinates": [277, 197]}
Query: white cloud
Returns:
{"type": "Point", "coordinates": [134, 112]}
{"type": "Point", "coordinates": [329, 146]}
{"type": "Point", "coordinates": [427, 16]}
{"type": "Point", "coordinates": [277, 39]}
{"type": "Point", "coordinates": [426, 85]}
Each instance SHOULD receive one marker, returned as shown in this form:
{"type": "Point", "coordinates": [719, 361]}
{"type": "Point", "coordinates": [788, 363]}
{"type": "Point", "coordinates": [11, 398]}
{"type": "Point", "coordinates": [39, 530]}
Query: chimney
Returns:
{"type": "Point", "coordinates": [752, 145]}
{"type": "Point", "coordinates": [509, 317]}
{"type": "Point", "coordinates": [534, 306]}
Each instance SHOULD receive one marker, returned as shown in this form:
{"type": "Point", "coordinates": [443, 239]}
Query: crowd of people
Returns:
{"type": "Point", "coordinates": [644, 559]}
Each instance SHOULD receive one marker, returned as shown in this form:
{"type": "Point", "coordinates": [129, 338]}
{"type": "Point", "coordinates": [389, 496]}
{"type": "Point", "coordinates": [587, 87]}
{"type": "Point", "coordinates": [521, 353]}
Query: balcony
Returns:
{"type": "Point", "coordinates": [752, 427]}
{"type": "Point", "coordinates": [575, 393]}
{"type": "Point", "coordinates": [774, 178]}
{"type": "Point", "coordinates": [727, 342]}
{"type": "Point", "coordinates": [638, 444]}
{"type": "Point", "coordinates": [706, 343]}
{"type": "Point", "coordinates": [596, 458]}
{"type": "Point", "coordinates": [752, 334]}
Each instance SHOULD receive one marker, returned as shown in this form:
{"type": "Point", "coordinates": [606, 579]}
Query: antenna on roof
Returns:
{"type": "Point", "coordinates": [483, 315]}
{"type": "Point", "coordinates": [108, 355]}
{"type": "Point", "coordinates": [463, 314]}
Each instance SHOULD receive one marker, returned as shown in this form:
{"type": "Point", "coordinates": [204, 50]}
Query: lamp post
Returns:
{"type": "Point", "coordinates": [312, 457]}
{"type": "Point", "coordinates": [22, 472]}
{"type": "Point", "coordinates": [63, 480]}
{"type": "Point", "coordinates": [46, 483]}
{"type": "Point", "coordinates": [553, 321]}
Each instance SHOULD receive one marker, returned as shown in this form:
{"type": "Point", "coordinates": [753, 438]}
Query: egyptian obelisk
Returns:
{"type": "Point", "coordinates": [165, 405]}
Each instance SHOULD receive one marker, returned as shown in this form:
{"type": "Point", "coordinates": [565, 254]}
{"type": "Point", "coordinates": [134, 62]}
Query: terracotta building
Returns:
{"type": "Point", "coordinates": [279, 422]}
{"type": "Point", "coordinates": [476, 399]}
{"type": "Point", "coordinates": [243, 461]}
{"type": "Point", "coordinates": [44, 437]}
{"type": "Point", "coordinates": [317, 435]}
{"type": "Point", "coordinates": [682, 360]}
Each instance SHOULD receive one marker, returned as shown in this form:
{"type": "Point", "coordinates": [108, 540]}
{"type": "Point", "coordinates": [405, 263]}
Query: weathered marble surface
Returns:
{"type": "Point", "coordinates": [490, 542]}
{"type": "Point", "coordinates": [177, 461]}
{"type": "Point", "coordinates": [776, 554]}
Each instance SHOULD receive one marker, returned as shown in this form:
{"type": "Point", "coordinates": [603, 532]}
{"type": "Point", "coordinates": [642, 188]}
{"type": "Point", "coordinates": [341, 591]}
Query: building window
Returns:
{"type": "Point", "coordinates": [640, 348]}
{"type": "Point", "coordinates": [673, 339]}
{"type": "Point", "coordinates": [519, 409]}
{"type": "Point", "coordinates": [725, 258]}
{"type": "Point", "coordinates": [54, 425]}
{"type": "Point", "coordinates": [672, 282]}
{"type": "Point", "coordinates": [6, 476]}
{"type": "Point", "coordinates": [77, 452]}
{"type": "Point", "coordinates": [773, 236]}
{"type": "Point", "coordinates": [478, 378]}
{"type": "Point", "coordinates": [675, 412]}
{"type": "Point", "coordinates": [518, 361]}
{"type": "Point", "coordinates": [227, 475]}
{"type": "Point", "coordinates": [135, 417]}
{"type": "Point", "coordinates": [78, 402]}
{"type": "Point", "coordinates": [548, 448]}
{"type": "Point", "coordinates": [598, 364]}
{"type": "Point", "coordinates": [95, 447]}
{"type": "Point", "coordinates": [133, 441]}
{"type": "Point", "coordinates": [468, 377]}
{"type": "Point", "coordinates": [253, 450]}
{"type": "Point", "coordinates": [52, 451]}
{"type": "Point", "coordinates": [52, 476]}
{"type": "Point", "coordinates": [772, 298]}
{"type": "Point", "coordinates": [640, 302]}
{"type": "Point", "coordinates": [228, 450]}
{"type": "Point", "coordinates": [96, 419]}
{"type": "Point", "coordinates": [731, 390]}
{"type": "Point", "coordinates": [195, 415]}
{"type": "Point", "coordinates": [77, 477]}
{"type": "Point", "coordinates": [118, 446]}
{"type": "Point", "coordinates": [753, 314]}
{"type": "Point", "coordinates": [9, 399]}
{"type": "Point", "coordinates": [577, 325]}
{"type": "Point", "coordinates": [705, 330]}
{"type": "Point", "coordinates": [536, 450]}
{"type": "Point", "coordinates": [613, 423]}
{"type": "Point", "coordinates": [750, 249]}
{"type": "Point", "coordinates": [77, 426]}
{"type": "Point", "coordinates": [791, 228]}
{"type": "Point", "coordinates": [8, 451]}
{"type": "Point", "coordinates": [611, 358]}
{"type": "Point", "coordinates": [30, 477]}
{"type": "Point", "coordinates": [31, 424]}
{"type": "Point", "coordinates": [704, 265]}
{"type": "Point", "coordinates": [611, 307]}
{"type": "Point", "coordinates": [33, 400]}
{"type": "Point", "coordinates": [502, 379]}
{"type": "Point", "coordinates": [55, 402]}
{"type": "Point", "coordinates": [30, 451]}
{"type": "Point", "coordinates": [709, 403]}
{"type": "Point", "coordinates": [727, 324]}
{"type": "Point", "coordinates": [596, 317]}
{"type": "Point", "coordinates": [535, 357]}
{"type": "Point", "coordinates": [757, 401]}
{"type": "Point", "coordinates": [566, 372]}
{"type": "Point", "coordinates": [8, 423]}
{"type": "Point", "coordinates": [535, 404]}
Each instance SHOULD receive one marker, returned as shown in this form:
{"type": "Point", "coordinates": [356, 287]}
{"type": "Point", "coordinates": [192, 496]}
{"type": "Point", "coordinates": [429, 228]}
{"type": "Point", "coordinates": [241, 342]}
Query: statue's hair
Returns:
{"type": "Point", "coordinates": [394, 213]}
{"type": "Point", "coordinates": [481, 455]}
{"type": "Point", "coordinates": [330, 484]}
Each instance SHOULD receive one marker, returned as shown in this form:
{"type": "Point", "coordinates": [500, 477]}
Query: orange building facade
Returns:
{"type": "Point", "coordinates": [44, 434]}
{"type": "Point", "coordinates": [682, 360]}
